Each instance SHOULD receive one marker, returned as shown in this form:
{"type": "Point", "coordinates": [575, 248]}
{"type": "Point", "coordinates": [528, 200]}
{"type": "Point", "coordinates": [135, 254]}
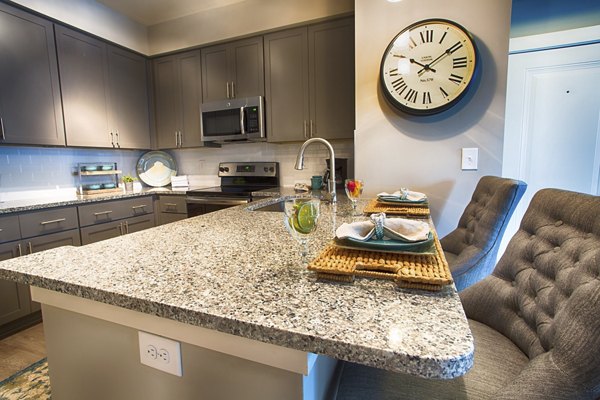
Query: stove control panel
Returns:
{"type": "Point", "coordinates": [252, 168]}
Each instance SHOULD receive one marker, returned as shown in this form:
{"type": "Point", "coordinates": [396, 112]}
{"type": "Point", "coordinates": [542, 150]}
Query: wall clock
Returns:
{"type": "Point", "coordinates": [428, 66]}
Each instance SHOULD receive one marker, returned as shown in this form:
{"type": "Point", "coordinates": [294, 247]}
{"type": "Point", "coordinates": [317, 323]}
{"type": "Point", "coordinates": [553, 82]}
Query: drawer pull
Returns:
{"type": "Point", "coordinates": [20, 249]}
{"type": "Point", "coordinates": [102, 213]}
{"type": "Point", "coordinates": [171, 204]}
{"type": "Point", "coordinates": [136, 207]}
{"type": "Point", "coordinates": [30, 246]}
{"type": "Point", "coordinates": [126, 227]}
{"type": "Point", "coordinates": [54, 221]}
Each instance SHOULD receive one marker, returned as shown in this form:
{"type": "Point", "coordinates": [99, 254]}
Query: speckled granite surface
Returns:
{"type": "Point", "coordinates": [13, 206]}
{"type": "Point", "coordinates": [238, 271]}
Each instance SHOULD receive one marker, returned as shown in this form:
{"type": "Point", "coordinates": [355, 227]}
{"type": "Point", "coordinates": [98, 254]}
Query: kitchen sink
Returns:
{"type": "Point", "coordinates": [273, 207]}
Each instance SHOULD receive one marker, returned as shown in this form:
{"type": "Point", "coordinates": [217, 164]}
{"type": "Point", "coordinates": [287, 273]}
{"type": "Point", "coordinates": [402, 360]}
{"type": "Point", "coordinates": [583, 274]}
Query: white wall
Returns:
{"type": "Point", "coordinates": [94, 18]}
{"type": "Point", "coordinates": [423, 153]}
{"type": "Point", "coordinates": [239, 19]}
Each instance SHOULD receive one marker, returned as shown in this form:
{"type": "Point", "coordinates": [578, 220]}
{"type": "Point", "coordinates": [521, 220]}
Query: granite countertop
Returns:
{"type": "Point", "coordinates": [62, 200]}
{"type": "Point", "coordinates": [196, 272]}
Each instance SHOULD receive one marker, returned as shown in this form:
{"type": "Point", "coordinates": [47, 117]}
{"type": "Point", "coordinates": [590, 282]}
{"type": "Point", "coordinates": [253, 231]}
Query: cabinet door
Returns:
{"type": "Point", "coordinates": [331, 72]}
{"type": "Point", "coordinates": [140, 223]}
{"type": "Point", "coordinates": [97, 233]}
{"type": "Point", "coordinates": [128, 90]}
{"type": "Point", "coordinates": [247, 68]}
{"type": "Point", "coordinates": [286, 84]}
{"type": "Point", "coordinates": [84, 77]}
{"type": "Point", "coordinates": [30, 105]}
{"type": "Point", "coordinates": [9, 228]}
{"type": "Point", "coordinates": [14, 297]}
{"type": "Point", "coordinates": [47, 242]}
{"type": "Point", "coordinates": [167, 101]}
{"type": "Point", "coordinates": [215, 73]}
{"type": "Point", "coordinates": [191, 89]}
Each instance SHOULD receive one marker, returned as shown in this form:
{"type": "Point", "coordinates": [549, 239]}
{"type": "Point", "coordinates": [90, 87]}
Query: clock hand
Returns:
{"type": "Point", "coordinates": [425, 66]}
{"type": "Point", "coordinates": [437, 59]}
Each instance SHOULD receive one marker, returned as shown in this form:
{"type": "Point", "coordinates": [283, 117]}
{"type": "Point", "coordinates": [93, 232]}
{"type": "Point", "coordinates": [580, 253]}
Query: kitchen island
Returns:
{"type": "Point", "coordinates": [230, 287]}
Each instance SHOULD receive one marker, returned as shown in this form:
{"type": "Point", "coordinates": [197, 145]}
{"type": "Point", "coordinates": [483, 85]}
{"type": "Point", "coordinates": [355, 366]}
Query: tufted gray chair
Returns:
{"type": "Point", "coordinates": [535, 320]}
{"type": "Point", "coordinates": [472, 248]}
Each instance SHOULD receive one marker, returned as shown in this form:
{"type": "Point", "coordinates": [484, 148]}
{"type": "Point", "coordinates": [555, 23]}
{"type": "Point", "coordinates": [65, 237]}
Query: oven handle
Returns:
{"type": "Point", "coordinates": [216, 201]}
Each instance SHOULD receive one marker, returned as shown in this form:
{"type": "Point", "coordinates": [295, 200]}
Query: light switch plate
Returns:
{"type": "Point", "coordinates": [470, 157]}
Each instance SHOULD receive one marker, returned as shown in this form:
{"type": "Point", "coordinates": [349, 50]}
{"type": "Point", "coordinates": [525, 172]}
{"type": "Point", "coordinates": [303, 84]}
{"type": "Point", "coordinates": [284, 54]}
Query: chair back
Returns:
{"type": "Point", "coordinates": [472, 248]}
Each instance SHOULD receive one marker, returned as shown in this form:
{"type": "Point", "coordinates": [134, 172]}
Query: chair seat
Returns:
{"type": "Point", "coordinates": [497, 362]}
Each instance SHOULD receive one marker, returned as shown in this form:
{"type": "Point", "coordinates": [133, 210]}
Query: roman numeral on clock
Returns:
{"type": "Point", "coordinates": [426, 98]}
{"type": "Point", "coordinates": [411, 95]}
{"type": "Point", "coordinates": [455, 47]}
{"type": "Point", "coordinates": [399, 85]}
{"type": "Point", "coordinates": [412, 44]}
{"type": "Point", "coordinates": [444, 93]}
{"type": "Point", "coordinates": [427, 37]}
{"type": "Point", "coordinates": [393, 72]}
{"type": "Point", "coordinates": [460, 62]}
{"type": "Point", "coordinates": [443, 37]}
{"type": "Point", "coordinates": [455, 78]}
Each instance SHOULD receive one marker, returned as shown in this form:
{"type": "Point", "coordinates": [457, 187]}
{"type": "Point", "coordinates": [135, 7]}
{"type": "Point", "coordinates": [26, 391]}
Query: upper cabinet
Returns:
{"type": "Point", "coordinates": [310, 82]}
{"type": "Point", "coordinates": [177, 97]}
{"type": "Point", "coordinates": [30, 108]}
{"type": "Point", "coordinates": [104, 91]}
{"type": "Point", "coordinates": [233, 70]}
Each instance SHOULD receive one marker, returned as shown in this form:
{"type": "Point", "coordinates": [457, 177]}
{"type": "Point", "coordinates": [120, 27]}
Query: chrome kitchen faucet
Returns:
{"type": "Point", "coordinates": [300, 164]}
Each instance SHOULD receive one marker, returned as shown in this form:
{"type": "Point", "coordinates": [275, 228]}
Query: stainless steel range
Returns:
{"type": "Point", "coordinates": [238, 181]}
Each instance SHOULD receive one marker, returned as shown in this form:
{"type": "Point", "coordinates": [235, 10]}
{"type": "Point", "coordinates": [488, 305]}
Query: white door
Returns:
{"type": "Point", "coordinates": [552, 129]}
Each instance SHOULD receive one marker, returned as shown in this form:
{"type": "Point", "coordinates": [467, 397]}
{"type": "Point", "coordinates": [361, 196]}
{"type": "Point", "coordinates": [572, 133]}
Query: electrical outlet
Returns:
{"type": "Point", "coordinates": [160, 353]}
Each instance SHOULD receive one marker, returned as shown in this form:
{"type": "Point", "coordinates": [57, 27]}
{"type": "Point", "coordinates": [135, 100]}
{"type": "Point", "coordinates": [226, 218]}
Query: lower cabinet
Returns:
{"type": "Point", "coordinates": [101, 221]}
{"type": "Point", "coordinates": [108, 230]}
{"type": "Point", "coordinates": [16, 308]}
{"type": "Point", "coordinates": [171, 209]}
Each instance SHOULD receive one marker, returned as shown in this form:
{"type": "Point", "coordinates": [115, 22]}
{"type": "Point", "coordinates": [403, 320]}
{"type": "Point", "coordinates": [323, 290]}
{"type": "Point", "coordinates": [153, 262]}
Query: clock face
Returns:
{"type": "Point", "coordinates": [428, 66]}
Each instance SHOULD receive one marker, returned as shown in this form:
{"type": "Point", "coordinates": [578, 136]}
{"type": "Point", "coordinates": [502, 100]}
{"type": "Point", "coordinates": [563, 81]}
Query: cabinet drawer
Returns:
{"type": "Point", "coordinates": [99, 213]}
{"type": "Point", "coordinates": [172, 204]}
{"type": "Point", "coordinates": [48, 221]}
{"type": "Point", "coordinates": [9, 228]}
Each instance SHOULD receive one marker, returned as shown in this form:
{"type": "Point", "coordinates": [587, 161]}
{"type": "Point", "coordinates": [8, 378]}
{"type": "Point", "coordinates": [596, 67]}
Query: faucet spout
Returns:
{"type": "Point", "coordinates": [300, 164]}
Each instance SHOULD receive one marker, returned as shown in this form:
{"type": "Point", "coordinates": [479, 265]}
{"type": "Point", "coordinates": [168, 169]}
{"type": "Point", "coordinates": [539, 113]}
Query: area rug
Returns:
{"type": "Point", "coordinates": [28, 384]}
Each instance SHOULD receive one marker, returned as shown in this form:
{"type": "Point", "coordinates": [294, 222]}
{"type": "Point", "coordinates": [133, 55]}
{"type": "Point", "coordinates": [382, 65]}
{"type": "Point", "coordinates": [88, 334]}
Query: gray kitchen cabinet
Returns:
{"type": "Point", "coordinates": [104, 91]}
{"type": "Point", "coordinates": [309, 82]}
{"type": "Point", "coordinates": [105, 220]}
{"type": "Point", "coordinates": [177, 98]}
{"type": "Point", "coordinates": [171, 209]}
{"type": "Point", "coordinates": [30, 104]}
{"type": "Point", "coordinates": [29, 233]}
{"type": "Point", "coordinates": [233, 70]}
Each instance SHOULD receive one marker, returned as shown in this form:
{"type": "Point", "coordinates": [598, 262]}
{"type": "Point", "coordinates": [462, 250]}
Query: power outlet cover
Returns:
{"type": "Point", "coordinates": [167, 356]}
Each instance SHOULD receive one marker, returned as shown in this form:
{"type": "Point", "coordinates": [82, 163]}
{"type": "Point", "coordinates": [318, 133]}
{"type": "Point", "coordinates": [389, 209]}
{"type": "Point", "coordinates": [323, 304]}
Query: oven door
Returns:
{"type": "Point", "coordinates": [202, 205]}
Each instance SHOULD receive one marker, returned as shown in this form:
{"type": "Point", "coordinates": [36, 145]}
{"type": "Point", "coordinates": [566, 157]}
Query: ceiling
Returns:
{"type": "Point", "coordinates": [150, 12]}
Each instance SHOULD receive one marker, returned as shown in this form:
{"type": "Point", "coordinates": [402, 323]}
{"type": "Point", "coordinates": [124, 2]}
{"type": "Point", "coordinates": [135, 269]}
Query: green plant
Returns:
{"type": "Point", "coordinates": [128, 178]}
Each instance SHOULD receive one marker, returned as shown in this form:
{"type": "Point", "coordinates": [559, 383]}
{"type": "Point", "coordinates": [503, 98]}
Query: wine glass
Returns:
{"type": "Point", "coordinates": [301, 216]}
{"type": "Point", "coordinates": [354, 189]}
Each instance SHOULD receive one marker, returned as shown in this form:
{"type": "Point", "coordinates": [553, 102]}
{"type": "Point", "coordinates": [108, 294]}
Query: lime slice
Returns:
{"type": "Point", "coordinates": [307, 217]}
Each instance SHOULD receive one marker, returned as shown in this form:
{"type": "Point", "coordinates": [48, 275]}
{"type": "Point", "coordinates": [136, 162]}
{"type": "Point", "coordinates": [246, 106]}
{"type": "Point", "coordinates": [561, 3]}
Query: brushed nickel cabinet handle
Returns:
{"type": "Point", "coordinates": [176, 139]}
{"type": "Point", "coordinates": [54, 221]}
{"type": "Point", "coordinates": [120, 228]}
{"type": "Point", "coordinates": [30, 247]}
{"type": "Point", "coordinates": [180, 139]}
{"type": "Point", "coordinates": [2, 128]}
{"type": "Point", "coordinates": [102, 213]}
{"type": "Point", "coordinates": [20, 249]}
{"type": "Point", "coordinates": [227, 85]}
{"type": "Point", "coordinates": [126, 227]}
{"type": "Point", "coordinates": [233, 90]}
{"type": "Point", "coordinates": [305, 129]}
{"type": "Point", "coordinates": [312, 128]}
{"type": "Point", "coordinates": [166, 204]}
{"type": "Point", "coordinates": [140, 206]}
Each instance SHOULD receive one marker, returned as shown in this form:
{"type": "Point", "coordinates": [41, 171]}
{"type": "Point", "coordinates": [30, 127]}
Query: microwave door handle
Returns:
{"type": "Point", "coordinates": [242, 123]}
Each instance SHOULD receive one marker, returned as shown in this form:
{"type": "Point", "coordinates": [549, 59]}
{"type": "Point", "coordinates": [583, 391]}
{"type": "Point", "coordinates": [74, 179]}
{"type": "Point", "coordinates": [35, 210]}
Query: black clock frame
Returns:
{"type": "Point", "coordinates": [436, 110]}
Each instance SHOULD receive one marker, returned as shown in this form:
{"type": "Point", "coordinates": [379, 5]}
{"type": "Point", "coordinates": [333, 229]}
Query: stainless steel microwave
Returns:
{"type": "Point", "coordinates": [233, 120]}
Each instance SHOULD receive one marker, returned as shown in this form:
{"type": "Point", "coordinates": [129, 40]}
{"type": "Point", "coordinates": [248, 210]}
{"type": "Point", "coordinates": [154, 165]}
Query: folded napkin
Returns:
{"type": "Point", "coordinates": [402, 194]}
{"type": "Point", "coordinates": [405, 230]}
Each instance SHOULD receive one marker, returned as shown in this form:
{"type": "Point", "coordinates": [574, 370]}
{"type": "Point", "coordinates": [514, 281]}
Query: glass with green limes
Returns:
{"type": "Point", "coordinates": [301, 216]}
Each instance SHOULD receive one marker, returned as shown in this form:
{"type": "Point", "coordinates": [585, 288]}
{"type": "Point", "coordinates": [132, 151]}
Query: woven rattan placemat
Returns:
{"type": "Point", "coordinates": [419, 271]}
{"type": "Point", "coordinates": [409, 210]}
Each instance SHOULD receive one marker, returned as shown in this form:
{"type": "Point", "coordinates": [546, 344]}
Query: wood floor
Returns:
{"type": "Point", "coordinates": [21, 350]}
